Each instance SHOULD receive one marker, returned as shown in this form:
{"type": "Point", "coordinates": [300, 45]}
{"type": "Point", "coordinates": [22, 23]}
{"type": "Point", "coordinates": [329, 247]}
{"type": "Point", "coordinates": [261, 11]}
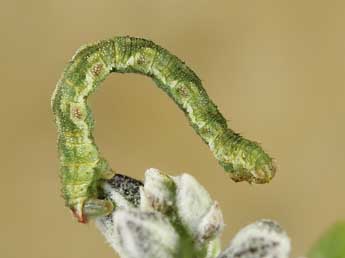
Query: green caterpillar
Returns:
{"type": "Point", "coordinates": [82, 166]}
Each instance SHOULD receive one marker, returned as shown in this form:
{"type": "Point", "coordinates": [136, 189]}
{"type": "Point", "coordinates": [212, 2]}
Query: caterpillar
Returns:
{"type": "Point", "coordinates": [82, 168]}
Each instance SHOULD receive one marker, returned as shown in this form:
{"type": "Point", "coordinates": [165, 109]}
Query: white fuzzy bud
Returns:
{"type": "Point", "coordinates": [211, 224]}
{"type": "Point", "coordinates": [159, 190]}
{"type": "Point", "coordinates": [105, 224]}
{"type": "Point", "coordinates": [145, 234]}
{"type": "Point", "coordinates": [192, 201]}
{"type": "Point", "coordinates": [145, 202]}
{"type": "Point", "coordinates": [263, 239]}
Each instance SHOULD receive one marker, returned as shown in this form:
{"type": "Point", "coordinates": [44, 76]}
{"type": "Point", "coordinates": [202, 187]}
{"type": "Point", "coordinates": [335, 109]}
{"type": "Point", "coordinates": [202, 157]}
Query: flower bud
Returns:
{"type": "Point", "coordinates": [263, 239]}
{"type": "Point", "coordinates": [192, 201]}
{"type": "Point", "coordinates": [211, 225]}
{"type": "Point", "coordinates": [145, 234]}
{"type": "Point", "coordinates": [159, 190]}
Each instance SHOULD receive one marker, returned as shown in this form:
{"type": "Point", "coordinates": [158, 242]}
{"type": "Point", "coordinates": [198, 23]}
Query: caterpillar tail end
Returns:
{"type": "Point", "coordinates": [92, 208]}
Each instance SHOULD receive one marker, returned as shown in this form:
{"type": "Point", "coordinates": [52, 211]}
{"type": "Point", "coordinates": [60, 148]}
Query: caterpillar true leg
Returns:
{"type": "Point", "coordinates": [83, 168]}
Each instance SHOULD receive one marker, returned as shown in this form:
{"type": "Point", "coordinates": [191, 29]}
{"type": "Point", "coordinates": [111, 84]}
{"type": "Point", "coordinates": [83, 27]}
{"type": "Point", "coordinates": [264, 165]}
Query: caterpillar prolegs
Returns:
{"type": "Point", "coordinates": [82, 168]}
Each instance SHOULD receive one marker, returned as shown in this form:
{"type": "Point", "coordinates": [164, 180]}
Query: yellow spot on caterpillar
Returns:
{"type": "Point", "coordinates": [141, 60]}
{"type": "Point", "coordinates": [97, 69]}
{"type": "Point", "coordinates": [182, 91]}
{"type": "Point", "coordinates": [77, 112]}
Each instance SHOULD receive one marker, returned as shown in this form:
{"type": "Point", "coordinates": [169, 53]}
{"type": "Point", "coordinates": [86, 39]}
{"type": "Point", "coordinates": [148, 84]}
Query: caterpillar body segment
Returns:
{"type": "Point", "coordinates": [82, 167]}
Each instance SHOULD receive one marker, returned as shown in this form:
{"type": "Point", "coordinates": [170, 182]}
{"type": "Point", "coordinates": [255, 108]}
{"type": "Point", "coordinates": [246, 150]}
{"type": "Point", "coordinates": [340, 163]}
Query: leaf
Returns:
{"type": "Point", "coordinates": [331, 244]}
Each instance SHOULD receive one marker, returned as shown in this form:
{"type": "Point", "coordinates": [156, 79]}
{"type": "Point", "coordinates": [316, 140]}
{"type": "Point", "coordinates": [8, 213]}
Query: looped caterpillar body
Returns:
{"type": "Point", "coordinates": [82, 166]}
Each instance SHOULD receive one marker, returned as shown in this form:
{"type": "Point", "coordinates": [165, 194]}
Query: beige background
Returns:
{"type": "Point", "coordinates": [275, 69]}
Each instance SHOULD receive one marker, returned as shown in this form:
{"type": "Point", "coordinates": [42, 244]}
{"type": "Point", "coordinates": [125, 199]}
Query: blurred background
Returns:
{"type": "Point", "coordinates": [274, 68]}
